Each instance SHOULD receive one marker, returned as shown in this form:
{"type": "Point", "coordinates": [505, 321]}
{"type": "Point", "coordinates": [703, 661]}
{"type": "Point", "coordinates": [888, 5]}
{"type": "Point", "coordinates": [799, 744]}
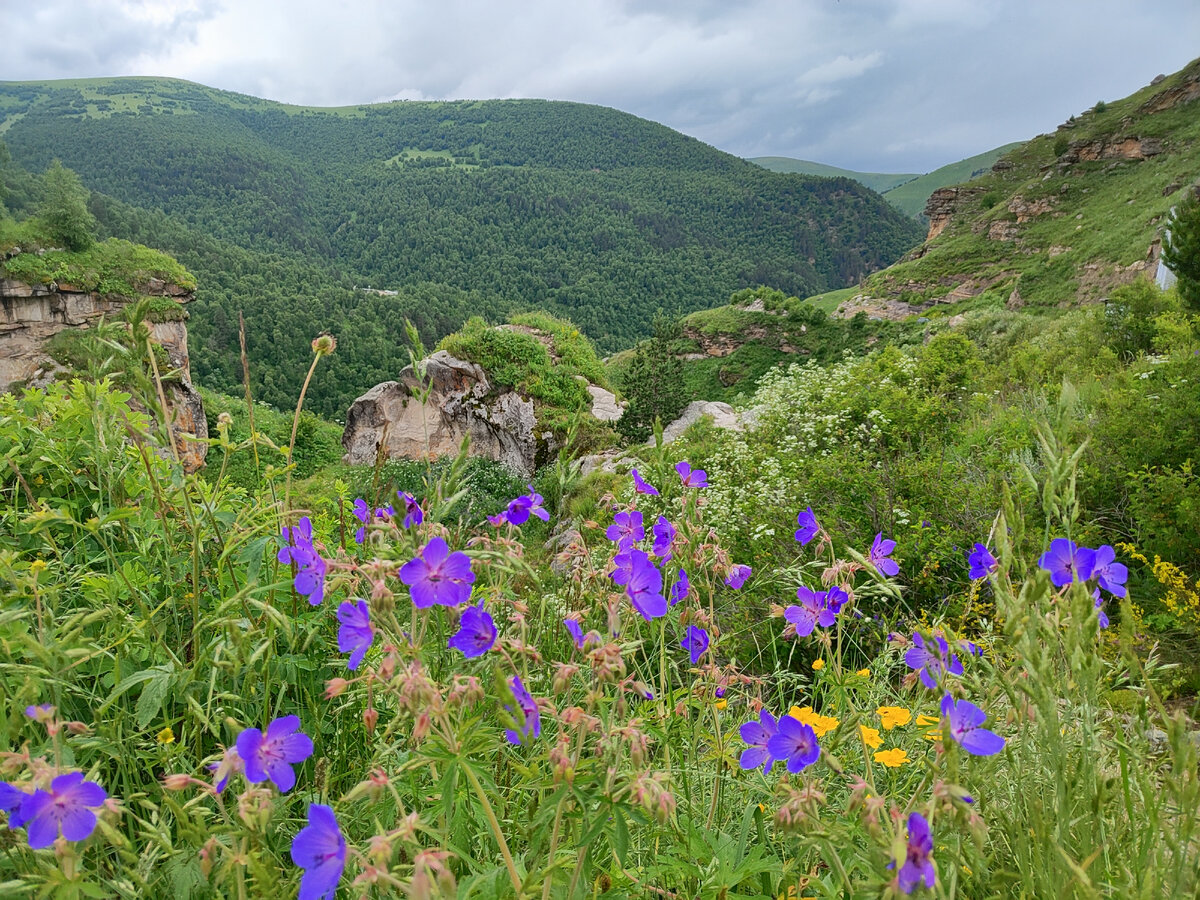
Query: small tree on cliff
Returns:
{"type": "Point", "coordinates": [654, 383]}
{"type": "Point", "coordinates": [1181, 251]}
{"type": "Point", "coordinates": [63, 211]}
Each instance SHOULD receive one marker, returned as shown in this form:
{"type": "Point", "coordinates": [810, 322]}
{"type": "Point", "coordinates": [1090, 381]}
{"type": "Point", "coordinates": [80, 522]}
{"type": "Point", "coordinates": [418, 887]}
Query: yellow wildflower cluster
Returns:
{"type": "Point", "coordinates": [820, 724]}
{"type": "Point", "coordinates": [893, 758]}
{"type": "Point", "coordinates": [1183, 596]}
{"type": "Point", "coordinates": [892, 716]}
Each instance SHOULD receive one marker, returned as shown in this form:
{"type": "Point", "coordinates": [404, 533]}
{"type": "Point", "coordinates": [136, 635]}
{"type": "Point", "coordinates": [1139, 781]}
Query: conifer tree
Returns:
{"type": "Point", "coordinates": [1181, 251]}
{"type": "Point", "coordinates": [64, 211]}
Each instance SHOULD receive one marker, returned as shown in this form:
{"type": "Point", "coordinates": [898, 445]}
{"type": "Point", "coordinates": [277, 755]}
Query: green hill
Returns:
{"type": "Point", "coordinates": [443, 210]}
{"type": "Point", "coordinates": [877, 181]}
{"type": "Point", "coordinates": [907, 192]}
{"type": "Point", "coordinates": [911, 196]}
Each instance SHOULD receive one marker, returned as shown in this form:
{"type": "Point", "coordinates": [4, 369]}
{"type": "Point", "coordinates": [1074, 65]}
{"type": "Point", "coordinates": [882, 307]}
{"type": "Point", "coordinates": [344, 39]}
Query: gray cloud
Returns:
{"type": "Point", "coordinates": [878, 85]}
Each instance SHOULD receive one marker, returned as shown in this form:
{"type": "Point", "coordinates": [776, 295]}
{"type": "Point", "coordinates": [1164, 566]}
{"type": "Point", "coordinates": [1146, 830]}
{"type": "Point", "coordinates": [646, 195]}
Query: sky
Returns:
{"type": "Point", "coordinates": [870, 85]}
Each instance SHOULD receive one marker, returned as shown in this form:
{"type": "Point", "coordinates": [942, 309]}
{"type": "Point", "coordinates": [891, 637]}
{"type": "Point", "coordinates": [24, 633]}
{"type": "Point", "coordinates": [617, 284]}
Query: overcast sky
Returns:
{"type": "Point", "coordinates": [873, 85]}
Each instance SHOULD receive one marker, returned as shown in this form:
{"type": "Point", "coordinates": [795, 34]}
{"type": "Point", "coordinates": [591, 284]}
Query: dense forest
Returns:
{"type": "Point", "coordinates": [307, 220]}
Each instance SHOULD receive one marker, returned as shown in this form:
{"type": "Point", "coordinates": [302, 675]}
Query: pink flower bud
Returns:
{"type": "Point", "coordinates": [335, 687]}
{"type": "Point", "coordinates": [370, 718]}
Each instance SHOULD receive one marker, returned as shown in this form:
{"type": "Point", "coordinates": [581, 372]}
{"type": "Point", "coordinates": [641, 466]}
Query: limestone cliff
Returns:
{"type": "Point", "coordinates": [32, 314]}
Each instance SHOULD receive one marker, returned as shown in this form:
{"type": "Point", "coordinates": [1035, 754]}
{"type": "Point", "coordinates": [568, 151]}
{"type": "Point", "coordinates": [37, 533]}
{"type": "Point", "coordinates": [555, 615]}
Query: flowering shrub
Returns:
{"type": "Point", "coordinates": [450, 715]}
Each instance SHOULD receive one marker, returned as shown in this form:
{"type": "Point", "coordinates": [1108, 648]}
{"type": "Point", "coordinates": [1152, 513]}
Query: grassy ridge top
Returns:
{"type": "Point", "coordinates": [881, 182]}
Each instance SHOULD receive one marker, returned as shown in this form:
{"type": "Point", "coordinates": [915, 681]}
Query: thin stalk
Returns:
{"type": "Point", "coordinates": [494, 823]}
{"type": "Point", "coordinates": [287, 487]}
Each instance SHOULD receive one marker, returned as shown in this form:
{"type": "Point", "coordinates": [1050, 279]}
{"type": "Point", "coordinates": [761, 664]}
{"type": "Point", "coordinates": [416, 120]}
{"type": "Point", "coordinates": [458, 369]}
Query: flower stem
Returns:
{"type": "Point", "coordinates": [495, 826]}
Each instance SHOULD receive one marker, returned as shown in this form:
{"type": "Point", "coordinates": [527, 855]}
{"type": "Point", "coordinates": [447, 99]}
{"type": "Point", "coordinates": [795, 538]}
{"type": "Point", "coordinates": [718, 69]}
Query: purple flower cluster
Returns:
{"type": "Point", "coordinates": [310, 567]}
{"type": "Point", "coordinates": [1068, 563]}
{"type": "Point", "coordinates": [771, 740]}
{"type": "Point", "coordinates": [363, 513]}
{"type": "Point", "coordinates": [816, 608]}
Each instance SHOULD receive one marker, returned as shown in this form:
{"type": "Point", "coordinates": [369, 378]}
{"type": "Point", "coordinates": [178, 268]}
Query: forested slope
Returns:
{"type": "Point", "coordinates": [287, 214]}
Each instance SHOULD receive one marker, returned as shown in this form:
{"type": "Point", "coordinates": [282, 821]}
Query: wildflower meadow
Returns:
{"type": "Point", "coordinates": [209, 691]}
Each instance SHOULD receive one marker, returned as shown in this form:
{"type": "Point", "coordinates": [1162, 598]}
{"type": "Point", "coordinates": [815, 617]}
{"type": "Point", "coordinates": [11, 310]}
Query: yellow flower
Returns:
{"type": "Point", "coordinates": [891, 716]}
{"type": "Point", "coordinates": [893, 758]}
{"type": "Point", "coordinates": [818, 665]}
{"type": "Point", "coordinates": [870, 736]}
{"type": "Point", "coordinates": [721, 704]}
{"type": "Point", "coordinates": [822, 725]}
{"type": "Point", "coordinates": [37, 565]}
{"type": "Point", "coordinates": [865, 673]}
{"type": "Point", "coordinates": [924, 720]}
{"type": "Point", "coordinates": [166, 736]}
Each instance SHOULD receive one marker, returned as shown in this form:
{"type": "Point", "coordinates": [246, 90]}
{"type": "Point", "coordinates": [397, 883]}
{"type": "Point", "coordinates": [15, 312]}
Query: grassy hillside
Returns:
{"type": "Point", "coordinates": [880, 182]}
{"type": "Point", "coordinates": [1055, 225]}
{"type": "Point", "coordinates": [288, 214]}
{"type": "Point", "coordinates": [910, 197]}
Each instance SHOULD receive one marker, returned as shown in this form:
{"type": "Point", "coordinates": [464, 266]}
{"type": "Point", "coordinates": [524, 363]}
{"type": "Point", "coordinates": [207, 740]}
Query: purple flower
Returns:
{"type": "Point", "coordinates": [664, 534]}
{"type": "Point", "coordinates": [642, 487]}
{"type": "Point", "coordinates": [64, 809]}
{"type": "Point", "coordinates": [320, 849]}
{"type": "Point", "coordinates": [626, 529]}
{"type": "Point", "coordinates": [813, 611]}
{"type": "Point", "coordinates": [695, 643]}
{"type": "Point", "coordinates": [737, 576]}
{"type": "Point", "coordinates": [679, 590]}
{"type": "Point", "coordinates": [645, 587]}
{"type": "Point", "coordinates": [809, 528]}
{"type": "Point", "coordinates": [981, 563]}
{"type": "Point", "coordinates": [1099, 609]}
{"type": "Point", "coordinates": [413, 514]}
{"type": "Point", "coordinates": [361, 513]}
{"type": "Point", "coordinates": [229, 765]}
{"type": "Point", "coordinates": [476, 632]}
{"type": "Point", "coordinates": [622, 566]}
{"type": "Point", "coordinates": [437, 576]}
{"type": "Point", "coordinates": [527, 709]}
{"type": "Point", "coordinates": [965, 718]}
{"type": "Point", "coordinates": [697, 478]}
{"type": "Point", "coordinates": [272, 755]}
{"type": "Point", "coordinates": [757, 735]}
{"type": "Point", "coordinates": [310, 567]}
{"type": "Point", "coordinates": [11, 799]}
{"type": "Point", "coordinates": [1110, 574]}
{"type": "Point", "coordinates": [576, 631]}
{"type": "Point", "coordinates": [523, 507]}
{"type": "Point", "coordinates": [355, 632]}
{"type": "Point", "coordinates": [43, 712]}
{"type": "Point", "coordinates": [836, 598]}
{"type": "Point", "coordinates": [795, 742]}
{"type": "Point", "coordinates": [498, 519]}
{"type": "Point", "coordinates": [932, 662]}
{"type": "Point", "coordinates": [917, 867]}
{"type": "Point", "coordinates": [1066, 562]}
{"type": "Point", "coordinates": [880, 556]}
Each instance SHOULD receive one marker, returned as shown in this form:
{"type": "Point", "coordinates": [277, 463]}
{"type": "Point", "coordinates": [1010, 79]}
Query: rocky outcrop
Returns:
{"type": "Point", "coordinates": [1111, 148]}
{"type": "Point", "coordinates": [943, 203]}
{"type": "Point", "coordinates": [723, 416]}
{"type": "Point", "coordinates": [32, 314]}
{"type": "Point", "coordinates": [605, 405]}
{"type": "Point", "coordinates": [721, 344]}
{"type": "Point", "coordinates": [394, 419]}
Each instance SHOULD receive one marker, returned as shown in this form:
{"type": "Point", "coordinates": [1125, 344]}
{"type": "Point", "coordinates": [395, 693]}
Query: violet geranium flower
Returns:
{"type": "Point", "coordinates": [695, 643]}
{"type": "Point", "coordinates": [273, 754]}
{"type": "Point", "coordinates": [576, 631]}
{"type": "Point", "coordinates": [437, 576]}
{"type": "Point", "coordinates": [229, 765]}
{"type": "Point", "coordinates": [1110, 574]}
{"type": "Point", "coordinates": [664, 535]}
{"type": "Point", "coordinates": [645, 586]}
{"type": "Point", "coordinates": [932, 660]}
{"type": "Point", "coordinates": [1101, 615]}
{"type": "Point", "coordinates": [476, 632]}
{"type": "Point", "coordinates": [355, 633]}
{"type": "Point", "coordinates": [795, 743]}
{"type": "Point", "coordinates": [809, 528]}
{"type": "Point", "coordinates": [523, 507]}
{"type": "Point", "coordinates": [526, 712]}
{"type": "Point", "coordinates": [881, 556]}
{"type": "Point", "coordinates": [681, 587]}
{"type": "Point", "coordinates": [641, 486]}
{"type": "Point", "coordinates": [917, 867]}
{"type": "Point", "coordinates": [11, 798]}
{"type": "Point", "coordinates": [1067, 562]}
{"type": "Point", "coordinates": [965, 718]}
{"type": "Point", "coordinates": [813, 611]}
{"type": "Point", "coordinates": [626, 529]}
{"type": "Point", "coordinates": [757, 735]}
{"type": "Point", "coordinates": [320, 849]}
{"type": "Point", "coordinates": [65, 809]}
{"type": "Point", "coordinates": [413, 514]}
{"type": "Point", "coordinates": [981, 562]}
{"type": "Point", "coordinates": [364, 516]}
{"type": "Point", "coordinates": [310, 567]}
{"type": "Point", "coordinates": [693, 478]}
{"type": "Point", "coordinates": [737, 576]}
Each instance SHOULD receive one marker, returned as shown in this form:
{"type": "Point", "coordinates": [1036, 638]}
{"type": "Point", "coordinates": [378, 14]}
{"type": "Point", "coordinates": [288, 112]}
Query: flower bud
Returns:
{"type": "Point", "coordinates": [324, 344]}
{"type": "Point", "coordinates": [370, 718]}
{"type": "Point", "coordinates": [335, 687]}
{"type": "Point", "coordinates": [208, 856]}
{"type": "Point", "coordinates": [176, 781]}
{"type": "Point", "coordinates": [421, 727]}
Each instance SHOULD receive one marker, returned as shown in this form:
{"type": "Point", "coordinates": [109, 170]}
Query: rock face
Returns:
{"type": "Point", "coordinates": [31, 314]}
{"type": "Point", "coordinates": [391, 418]}
{"type": "Point", "coordinates": [1111, 148]}
{"type": "Point", "coordinates": [605, 405]}
{"type": "Point", "coordinates": [723, 416]}
{"type": "Point", "coordinates": [942, 204]}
